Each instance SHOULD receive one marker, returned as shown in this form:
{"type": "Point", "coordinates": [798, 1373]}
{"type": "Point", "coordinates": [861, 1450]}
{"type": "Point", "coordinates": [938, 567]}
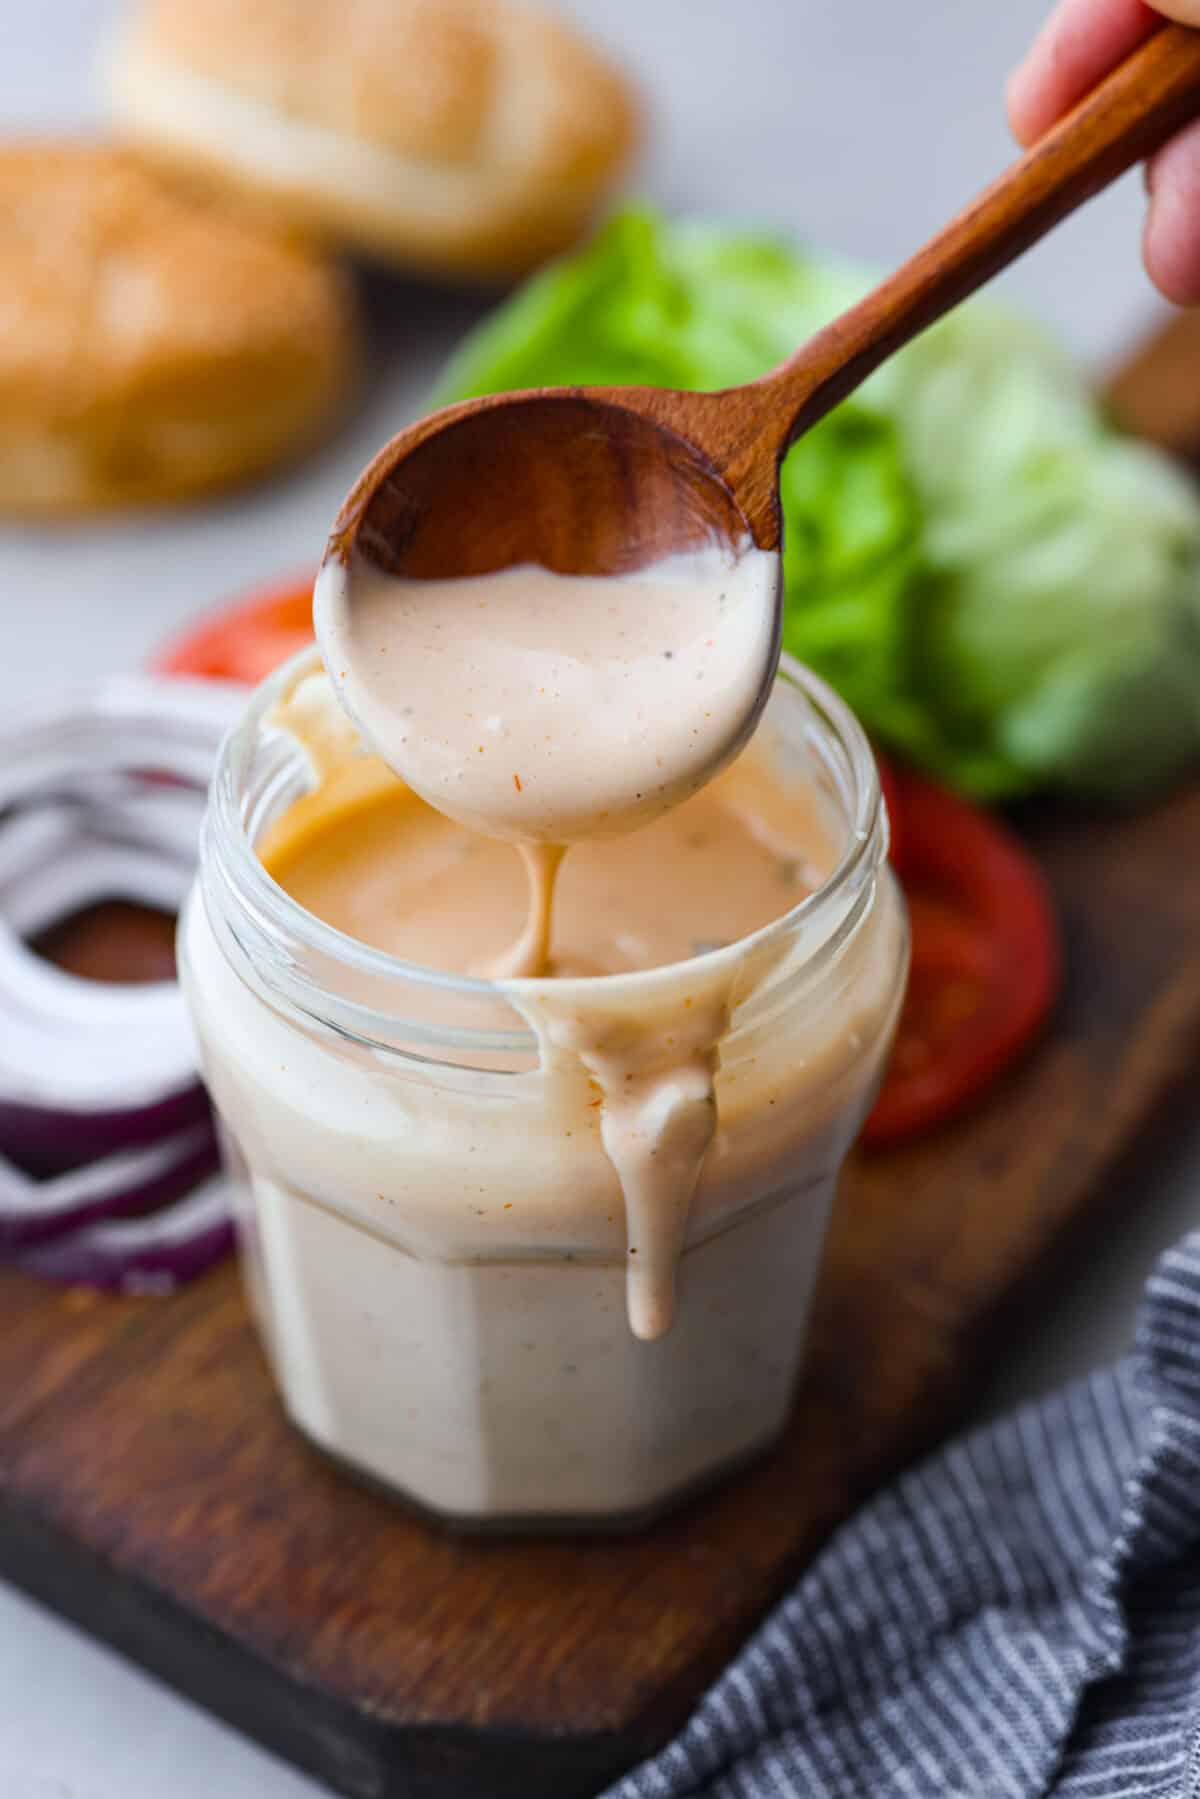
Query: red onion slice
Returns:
{"type": "Point", "coordinates": [136, 722]}
{"type": "Point", "coordinates": [137, 1180]}
{"type": "Point", "coordinates": [86, 1068]}
{"type": "Point", "coordinates": [154, 1254]}
{"type": "Point", "coordinates": [99, 799]}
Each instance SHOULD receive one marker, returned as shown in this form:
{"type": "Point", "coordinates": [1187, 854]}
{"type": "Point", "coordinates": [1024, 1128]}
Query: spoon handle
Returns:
{"type": "Point", "coordinates": [1134, 111]}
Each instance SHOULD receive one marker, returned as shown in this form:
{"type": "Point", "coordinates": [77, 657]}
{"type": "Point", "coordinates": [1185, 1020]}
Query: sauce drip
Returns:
{"type": "Point", "coordinates": [530, 954]}
{"type": "Point", "coordinates": [552, 710]}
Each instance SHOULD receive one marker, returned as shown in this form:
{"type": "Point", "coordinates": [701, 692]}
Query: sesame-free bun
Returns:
{"type": "Point", "coordinates": [153, 346]}
{"type": "Point", "coordinates": [462, 137]}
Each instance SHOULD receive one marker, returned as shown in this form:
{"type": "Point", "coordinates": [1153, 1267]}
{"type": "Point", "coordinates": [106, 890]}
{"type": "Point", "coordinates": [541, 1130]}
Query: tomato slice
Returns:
{"type": "Point", "coordinates": [245, 641]}
{"type": "Point", "coordinates": [986, 959]}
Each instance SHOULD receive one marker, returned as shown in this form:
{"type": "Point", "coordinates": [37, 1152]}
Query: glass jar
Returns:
{"type": "Point", "coordinates": [433, 1236]}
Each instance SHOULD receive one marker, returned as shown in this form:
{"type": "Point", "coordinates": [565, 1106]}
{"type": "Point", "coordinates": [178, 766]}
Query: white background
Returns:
{"type": "Point", "coordinates": [860, 124]}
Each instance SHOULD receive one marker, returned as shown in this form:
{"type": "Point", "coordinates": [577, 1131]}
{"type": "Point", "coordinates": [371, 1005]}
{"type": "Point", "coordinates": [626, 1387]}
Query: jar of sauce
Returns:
{"type": "Point", "coordinates": [459, 1294]}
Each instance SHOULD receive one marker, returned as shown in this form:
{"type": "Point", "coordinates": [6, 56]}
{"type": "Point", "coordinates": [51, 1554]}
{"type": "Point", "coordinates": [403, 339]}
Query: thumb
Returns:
{"type": "Point", "coordinates": [1076, 47]}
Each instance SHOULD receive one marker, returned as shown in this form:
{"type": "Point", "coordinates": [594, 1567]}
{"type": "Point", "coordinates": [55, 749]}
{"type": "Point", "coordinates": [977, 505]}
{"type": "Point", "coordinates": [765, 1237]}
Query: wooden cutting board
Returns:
{"type": "Point", "coordinates": [151, 1490]}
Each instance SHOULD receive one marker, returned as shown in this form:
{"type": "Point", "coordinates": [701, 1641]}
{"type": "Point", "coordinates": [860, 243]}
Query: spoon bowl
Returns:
{"type": "Point", "coordinates": [509, 709]}
{"type": "Point", "coordinates": [577, 481]}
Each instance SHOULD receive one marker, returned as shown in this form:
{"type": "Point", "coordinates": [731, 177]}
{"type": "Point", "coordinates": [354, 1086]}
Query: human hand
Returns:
{"type": "Point", "coordinates": [1078, 45]}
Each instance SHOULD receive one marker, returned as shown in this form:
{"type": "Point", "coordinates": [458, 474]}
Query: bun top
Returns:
{"type": "Point", "coordinates": [448, 83]}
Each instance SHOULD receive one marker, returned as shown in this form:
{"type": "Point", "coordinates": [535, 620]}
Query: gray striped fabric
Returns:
{"type": "Point", "coordinates": [1018, 1616]}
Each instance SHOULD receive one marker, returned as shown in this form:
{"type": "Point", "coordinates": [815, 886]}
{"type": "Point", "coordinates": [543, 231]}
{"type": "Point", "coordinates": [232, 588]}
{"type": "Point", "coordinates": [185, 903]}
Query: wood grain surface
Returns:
{"type": "Point", "coordinates": [1155, 393]}
{"type": "Point", "coordinates": [150, 1488]}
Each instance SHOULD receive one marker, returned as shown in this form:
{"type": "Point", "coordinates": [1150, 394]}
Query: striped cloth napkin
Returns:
{"type": "Point", "coordinates": [1018, 1616]}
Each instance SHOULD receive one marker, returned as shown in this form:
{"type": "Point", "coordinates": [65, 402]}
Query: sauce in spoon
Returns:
{"type": "Point", "coordinates": [547, 708]}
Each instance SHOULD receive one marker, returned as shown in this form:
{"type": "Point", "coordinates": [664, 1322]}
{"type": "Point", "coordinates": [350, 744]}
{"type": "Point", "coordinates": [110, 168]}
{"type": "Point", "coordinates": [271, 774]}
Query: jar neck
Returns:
{"type": "Point", "coordinates": [307, 969]}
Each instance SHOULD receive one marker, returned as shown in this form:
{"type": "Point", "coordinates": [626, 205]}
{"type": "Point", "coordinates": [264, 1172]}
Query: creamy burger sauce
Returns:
{"type": "Point", "coordinates": [551, 709]}
{"type": "Point", "coordinates": [435, 1237]}
{"type": "Point", "coordinates": [372, 859]}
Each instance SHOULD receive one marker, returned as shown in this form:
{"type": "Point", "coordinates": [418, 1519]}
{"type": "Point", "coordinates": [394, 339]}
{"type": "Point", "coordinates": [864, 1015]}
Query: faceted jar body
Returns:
{"type": "Point", "coordinates": [433, 1236]}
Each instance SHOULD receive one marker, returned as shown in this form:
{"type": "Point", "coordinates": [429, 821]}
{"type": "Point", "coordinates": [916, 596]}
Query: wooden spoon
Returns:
{"type": "Point", "coordinates": [591, 480]}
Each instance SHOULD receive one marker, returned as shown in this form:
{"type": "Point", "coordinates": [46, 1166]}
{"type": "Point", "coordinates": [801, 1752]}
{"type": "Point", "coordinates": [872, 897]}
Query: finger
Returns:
{"type": "Point", "coordinates": [1078, 45]}
{"type": "Point", "coordinates": [1171, 241]}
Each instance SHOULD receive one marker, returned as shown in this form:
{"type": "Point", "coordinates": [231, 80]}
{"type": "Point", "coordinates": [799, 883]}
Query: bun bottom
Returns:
{"type": "Point", "coordinates": [143, 456]}
{"type": "Point", "coordinates": [142, 459]}
{"type": "Point", "coordinates": [470, 224]}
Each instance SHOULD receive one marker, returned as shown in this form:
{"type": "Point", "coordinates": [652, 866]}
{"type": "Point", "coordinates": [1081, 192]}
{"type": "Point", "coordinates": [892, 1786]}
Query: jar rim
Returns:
{"type": "Point", "coordinates": [227, 839]}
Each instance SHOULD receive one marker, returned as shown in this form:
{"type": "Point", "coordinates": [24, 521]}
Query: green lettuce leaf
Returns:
{"type": "Point", "coordinates": [1000, 586]}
